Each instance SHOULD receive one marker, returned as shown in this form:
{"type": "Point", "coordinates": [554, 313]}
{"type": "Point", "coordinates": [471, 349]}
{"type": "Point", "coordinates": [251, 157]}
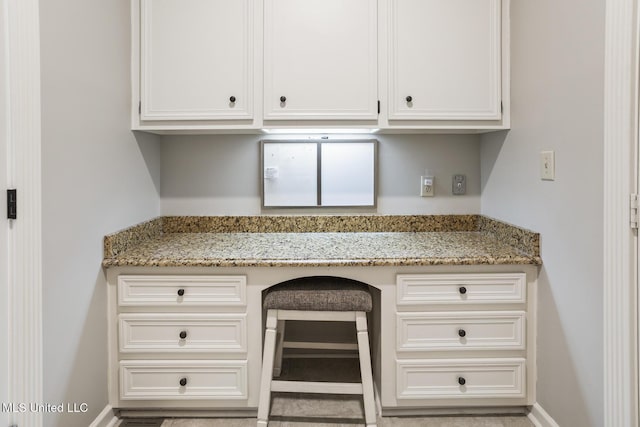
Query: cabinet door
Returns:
{"type": "Point", "coordinates": [196, 59]}
{"type": "Point", "coordinates": [445, 60]}
{"type": "Point", "coordinates": [320, 59]}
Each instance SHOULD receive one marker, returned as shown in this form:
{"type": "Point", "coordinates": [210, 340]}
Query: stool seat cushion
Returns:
{"type": "Point", "coordinates": [319, 293]}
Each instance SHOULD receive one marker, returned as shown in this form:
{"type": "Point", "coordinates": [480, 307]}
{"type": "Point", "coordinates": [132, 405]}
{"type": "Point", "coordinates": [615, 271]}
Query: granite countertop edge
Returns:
{"type": "Point", "coordinates": [150, 243]}
{"type": "Point", "coordinates": [165, 262]}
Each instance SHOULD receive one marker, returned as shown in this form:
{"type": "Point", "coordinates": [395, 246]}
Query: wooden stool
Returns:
{"type": "Point", "coordinates": [319, 299]}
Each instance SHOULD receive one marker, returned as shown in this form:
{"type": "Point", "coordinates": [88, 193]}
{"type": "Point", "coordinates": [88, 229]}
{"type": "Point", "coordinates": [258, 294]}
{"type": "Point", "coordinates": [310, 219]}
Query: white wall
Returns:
{"type": "Point", "coordinates": [557, 104]}
{"type": "Point", "coordinates": [97, 178]}
{"type": "Point", "coordinates": [220, 175]}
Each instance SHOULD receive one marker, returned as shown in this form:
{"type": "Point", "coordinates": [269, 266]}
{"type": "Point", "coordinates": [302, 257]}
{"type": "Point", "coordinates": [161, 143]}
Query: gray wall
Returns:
{"type": "Point", "coordinates": [557, 104]}
{"type": "Point", "coordinates": [97, 178]}
{"type": "Point", "coordinates": [220, 175]}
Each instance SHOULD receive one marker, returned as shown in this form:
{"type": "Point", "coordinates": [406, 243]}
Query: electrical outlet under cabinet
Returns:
{"type": "Point", "coordinates": [427, 186]}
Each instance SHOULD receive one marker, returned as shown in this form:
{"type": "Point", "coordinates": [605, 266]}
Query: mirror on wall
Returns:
{"type": "Point", "coordinates": [319, 173]}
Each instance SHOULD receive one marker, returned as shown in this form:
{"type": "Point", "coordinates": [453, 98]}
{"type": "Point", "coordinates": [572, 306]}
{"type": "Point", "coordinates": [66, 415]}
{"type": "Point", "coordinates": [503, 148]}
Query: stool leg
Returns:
{"type": "Point", "coordinates": [264, 402]}
{"type": "Point", "coordinates": [279, 341]}
{"type": "Point", "coordinates": [365, 370]}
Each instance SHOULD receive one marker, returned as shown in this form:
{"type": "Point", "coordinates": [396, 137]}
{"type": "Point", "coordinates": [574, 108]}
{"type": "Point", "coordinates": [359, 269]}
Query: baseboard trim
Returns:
{"type": "Point", "coordinates": [106, 418]}
{"type": "Point", "coordinates": [540, 418]}
{"type": "Point", "coordinates": [454, 411]}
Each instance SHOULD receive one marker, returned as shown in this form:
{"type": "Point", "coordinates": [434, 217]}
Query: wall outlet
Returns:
{"type": "Point", "coordinates": [427, 184]}
{"type": "Point", "coordinates": [459, 185]}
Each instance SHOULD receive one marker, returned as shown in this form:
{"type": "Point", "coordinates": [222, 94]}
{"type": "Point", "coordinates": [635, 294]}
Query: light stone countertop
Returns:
{"type": "Point", "coordinates": [309, 249]}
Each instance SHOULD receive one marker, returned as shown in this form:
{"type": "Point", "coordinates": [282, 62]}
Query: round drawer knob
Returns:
{"type": "Point", "coordinates": [180, 292]}
{"type": "Point", "coordinates": [462, 333]}
{"type": "Point", "coordinates": [409, 98]}
{"type": "Point", "coordinates": [462, 290]}
{"type": "Point", "coordinates": [183, 335]}
{"type": "Point", "coordinates": [461, 381]}
{"type": "Point", "coordinates": [232, 99]}
{"type": "Point", "coordinates": [283, 99]}
{"type": "Point", "coordinates": [183, 382]}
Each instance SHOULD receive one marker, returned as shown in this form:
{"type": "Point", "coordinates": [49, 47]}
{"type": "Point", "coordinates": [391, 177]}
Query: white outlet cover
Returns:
{"type": "Point", "coordinates": [547, 166]}
{"type": "Point", "coordinates": [427, 186]}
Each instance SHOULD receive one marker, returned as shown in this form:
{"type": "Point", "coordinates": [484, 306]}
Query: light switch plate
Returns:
{"type": "Point", "coordinates": [459, 184]}
{"type": "Point", "coordinates": [547, 166]}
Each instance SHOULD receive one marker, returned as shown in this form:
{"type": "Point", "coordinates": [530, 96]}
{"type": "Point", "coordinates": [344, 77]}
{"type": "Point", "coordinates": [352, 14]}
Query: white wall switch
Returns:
{"type": "Point", "coordinates": [459, 185]}
{"type": "Point", "coordinates": [547, 166]}
{"type": "Point", "coordinates": [427, 186]}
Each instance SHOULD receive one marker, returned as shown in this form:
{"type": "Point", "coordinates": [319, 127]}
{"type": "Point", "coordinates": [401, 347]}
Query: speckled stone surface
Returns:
{"type": "Point", "coordinates": [359, 240]}
{"type": "Point", "coordinates": [318, 223]}
{"type": "Point", "coordinates": [520, 238]}
{"type": "Point", "coordinates": [123, 240]}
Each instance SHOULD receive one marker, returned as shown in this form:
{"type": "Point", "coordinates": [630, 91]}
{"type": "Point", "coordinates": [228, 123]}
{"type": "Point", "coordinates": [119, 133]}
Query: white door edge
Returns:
{"type": "Point", "coordinates": [4, 223]}
{"type": "Point", "coordinates": [620, 242]}
{"type": "Point", "coordinates": [25, 233]}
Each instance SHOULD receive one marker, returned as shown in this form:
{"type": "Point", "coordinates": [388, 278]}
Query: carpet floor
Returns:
{"type": "Point", "coordinates": [435, 421]}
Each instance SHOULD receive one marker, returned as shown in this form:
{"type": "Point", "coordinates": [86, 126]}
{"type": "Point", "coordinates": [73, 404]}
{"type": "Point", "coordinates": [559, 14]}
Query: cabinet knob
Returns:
{"type": "Point", "coordinates": [183, 334]}
{"type": "Point", "coordinates": [461, 381]}
{"type": "Point", "coordinates": [462, 290]}
{"type": "Point", "coordinates": [409, 98]}
{"type": "Point", "coordinates": [283, 99]}
{"type": "Point", "coordinates": [462, 333]}
{"type": "Point", "coordinates": [180, 292]}
{"type": "Point", "coordinates": [183, 382]}
{"type": "Point", "coordinates": [232, 99]}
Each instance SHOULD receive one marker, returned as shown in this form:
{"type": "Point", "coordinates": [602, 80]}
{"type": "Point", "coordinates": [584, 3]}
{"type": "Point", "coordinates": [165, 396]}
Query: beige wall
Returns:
{"type": "Point", "coordinates": [97, 178]}
{"type": "Point", "coordinates": [557, 104]}
{"type": "Point", "coordinates": [219, 175]}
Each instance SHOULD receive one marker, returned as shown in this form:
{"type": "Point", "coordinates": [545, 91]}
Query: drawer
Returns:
{"type": "Point", "coordinates": [461, 378]}
{"type": "Point", "coordinates": [183, 380]}
{"type": "Point", "coordinates": [471, 330]}
{"type": "Point", "coordinates": [176, 291]}
{"type": "Point", "coordinates": [188, 333]}
{"type": "Point", "coordinates": [499, 288]}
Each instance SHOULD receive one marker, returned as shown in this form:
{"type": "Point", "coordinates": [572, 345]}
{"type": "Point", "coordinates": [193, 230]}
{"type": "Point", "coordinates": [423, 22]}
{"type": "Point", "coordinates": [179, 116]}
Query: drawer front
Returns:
{"type": "Point", "coordinates": [461, 378]}
{"type": "Point", "coordinates": [183, 380]}
{"type": "Point", "coordinates": [176, 291]}
{"type": "Point", "coordinates": [188, 333]}
{"type": "Point", "coordinates": [499, 288]}
{"type": "Point", "coordinates": [473, 330]}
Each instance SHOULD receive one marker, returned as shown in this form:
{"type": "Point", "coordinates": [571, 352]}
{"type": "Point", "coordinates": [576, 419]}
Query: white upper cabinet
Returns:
{"type": "Point", "coordinates": [320, 60]}
{"type": "Point", "coordinates": [213, 66]}
{"type": "Point", "coordinates": [196, 60]}
{"type": "Point", "coordinates": [445, 60]}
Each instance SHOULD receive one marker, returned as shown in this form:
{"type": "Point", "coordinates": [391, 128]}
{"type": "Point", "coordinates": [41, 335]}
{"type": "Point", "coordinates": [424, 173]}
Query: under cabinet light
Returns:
{"type": "Point", "coordinates": [332, 131]}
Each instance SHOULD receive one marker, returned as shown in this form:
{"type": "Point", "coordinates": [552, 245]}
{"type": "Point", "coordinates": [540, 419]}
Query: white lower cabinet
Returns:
{"type": "Point", "coordinates": [183, 380]}
{"type": "Point", "coordinates": [493, 330]}
{"type": "Point", "coordinates": [181, 340]}
{"type": "Point", "coordinates": [462, 340]}
{"type": "Point", "coordinates": [453, 339]}
{"type": "Point", "coordinates": [185, 333]}
{"type": "Point", "coordinates": [461, 378]}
